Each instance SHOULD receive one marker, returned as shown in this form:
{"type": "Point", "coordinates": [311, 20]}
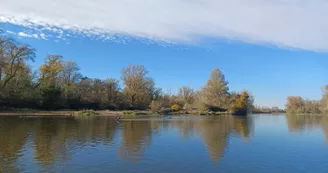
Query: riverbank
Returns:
{"type": "Point", "coordinates": [121, 114]}
{"type": "Point", "coordinates": [58, 113]}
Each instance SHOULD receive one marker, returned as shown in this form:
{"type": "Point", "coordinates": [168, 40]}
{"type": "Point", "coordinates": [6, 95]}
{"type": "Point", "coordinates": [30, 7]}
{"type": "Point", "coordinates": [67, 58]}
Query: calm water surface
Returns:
{"type": "Point", "coordinates": [256, 144]}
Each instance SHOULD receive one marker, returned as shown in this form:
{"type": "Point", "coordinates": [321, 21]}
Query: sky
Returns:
{"type": "Point", "coordinates": [273, 48]}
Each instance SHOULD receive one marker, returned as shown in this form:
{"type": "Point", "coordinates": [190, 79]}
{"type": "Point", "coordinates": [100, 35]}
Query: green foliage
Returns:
{"type": "Point", "coordinates": [137, 114]}
{"type": "Point", "coordinates": [50, 96]}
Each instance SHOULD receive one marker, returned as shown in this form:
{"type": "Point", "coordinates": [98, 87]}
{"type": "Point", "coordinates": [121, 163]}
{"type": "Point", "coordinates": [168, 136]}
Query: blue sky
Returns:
{"type": "Point", "coordinates": [272, 48]}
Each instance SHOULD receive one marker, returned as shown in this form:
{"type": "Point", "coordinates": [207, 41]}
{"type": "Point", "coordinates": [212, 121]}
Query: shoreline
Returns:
{"type": "Point", "coordinates": [115, 114]}
{"type": "Point", "coordinates": [56, 113]}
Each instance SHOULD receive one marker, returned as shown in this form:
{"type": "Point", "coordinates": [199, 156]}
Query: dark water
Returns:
{"type": "Point", "coordinates": [257, 144]}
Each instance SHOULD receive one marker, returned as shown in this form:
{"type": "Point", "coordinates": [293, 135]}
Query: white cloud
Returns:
{"type": "Point", "coordinates": [10, 32]}
{"type": "Point", "coordinates": [43, 36]}
{"type": "Point", "coordinates": [288, 23]}
{"type": "Point", "coordinates": [23, 34]}
{"type": "Point", "coordinates": [26, 34]}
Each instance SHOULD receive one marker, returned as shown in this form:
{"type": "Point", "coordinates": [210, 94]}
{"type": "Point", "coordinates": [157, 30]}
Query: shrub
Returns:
{"type": "Point", "coordinates": [240, 104]}
{"type": "Point", "coordinates": [129, 113]}
{"type": "Point", "coordinates": [86, 113]}
{"type": "Point", "coordinates": [165, 110]}
{"type": "Point", "coordinates": [156, 106]}
{"type": "Point", "coordinates": [216, 109]}
{"type": "Point", "coordinates": [176, 107]}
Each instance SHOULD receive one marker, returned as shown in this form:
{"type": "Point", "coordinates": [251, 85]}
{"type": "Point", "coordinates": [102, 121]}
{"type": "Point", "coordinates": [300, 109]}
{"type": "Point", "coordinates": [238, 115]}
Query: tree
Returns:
{"type": "Point", "coordinates": [69, 76]}
{"type": "Point", "coordinates": [85, 92]}
{"type": "Point", "coordinates": [51, 69]}
{"type": "Point", "coordinates": [13, 57]}
{"type": "Point", "coordinates": [294, 104]}
{"type": "Point", "coordinates": [187, 95]}
{"type": "Point", "coordinates": [99, 94]}
{"type": "Point", "coordinates": [49, 81]}
{"type": "Point", "coordinates": [298, 105]}
{"type": "Point", "coordinates": [324, 100]}
{"type": "Point", "coordinates": [138, 88]}
{"type": "Point", "coordinates": [240, 105]}
{"type": "Point", "coordinates": [311, 106]}
{"type": "Point", "coordinates": [156, 105]}
{"type": "Point", "coordinates": [70, 72]}
{"type": "Point", "coordinates": [19, 91]}
{"type": "Point", "coordinates": [15, 74]}
{"type": "Point", "coordinates": [113, 94]}
{"type": "Point", "coordinates": [215, 92]}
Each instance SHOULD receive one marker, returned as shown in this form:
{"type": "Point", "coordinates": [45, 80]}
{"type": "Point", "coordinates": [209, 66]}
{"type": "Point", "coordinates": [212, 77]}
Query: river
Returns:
{"type": "Point", "coordinates": [253, 144]}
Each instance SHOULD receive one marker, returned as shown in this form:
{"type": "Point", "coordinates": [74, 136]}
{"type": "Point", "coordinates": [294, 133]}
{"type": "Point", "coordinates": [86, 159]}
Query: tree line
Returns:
{"type": "Point", "coordinates": [263, 109]}
{"type": "Point", "coordinates": [58, 84]}
{"type": "Point", "coordinates": [299, 105]}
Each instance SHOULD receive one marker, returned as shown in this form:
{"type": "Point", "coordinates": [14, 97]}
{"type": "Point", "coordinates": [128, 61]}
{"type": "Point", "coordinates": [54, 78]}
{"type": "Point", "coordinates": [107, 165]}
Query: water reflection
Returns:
{"type": "Point", "coordinates": [302, 123]}
{"type": "Point", "coordinates": [50, 142]}
{"type": "Point", "coordinates": [136, 136]}
{"type": "Point", "coordinates": [12, 140]}
{"type": "Point", "coordinates": [215, 133]}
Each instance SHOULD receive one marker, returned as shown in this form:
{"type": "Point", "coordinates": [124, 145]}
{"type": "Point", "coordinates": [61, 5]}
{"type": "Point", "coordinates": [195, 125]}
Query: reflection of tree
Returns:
{"type": "Point", "coordinates": [55, 138]}
{"type": "Point", "coordinates": [13, 136]}
{"type": "Point", "coordinates": [215, 135]}
{"type": "Point", "coordinates": [48, 136]}
{"type": "Point", "coordinates": [242, 126]}
{"type": "Point", "coordinates": [214, 131]}
{"type": "Point", "coordinates": [135, 136]}
{"type": "Point", "coordinates": [324, 124]}
{"type": "Point", "coordinates": [299, 123]}
{"type": "Point", "coordinates": [185, 127]}
{"type": "Point", "coordinates": [96, 129]}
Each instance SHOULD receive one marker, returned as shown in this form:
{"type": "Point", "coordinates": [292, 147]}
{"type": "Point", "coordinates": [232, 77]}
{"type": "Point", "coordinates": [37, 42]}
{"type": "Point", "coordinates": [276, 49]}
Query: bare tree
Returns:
{"type": "Point", "coordinates": [70, 72]}
{"type": "Point", "coordinates": [294, 104]}
{"type": "Point", "coordinates": [187, 95]}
